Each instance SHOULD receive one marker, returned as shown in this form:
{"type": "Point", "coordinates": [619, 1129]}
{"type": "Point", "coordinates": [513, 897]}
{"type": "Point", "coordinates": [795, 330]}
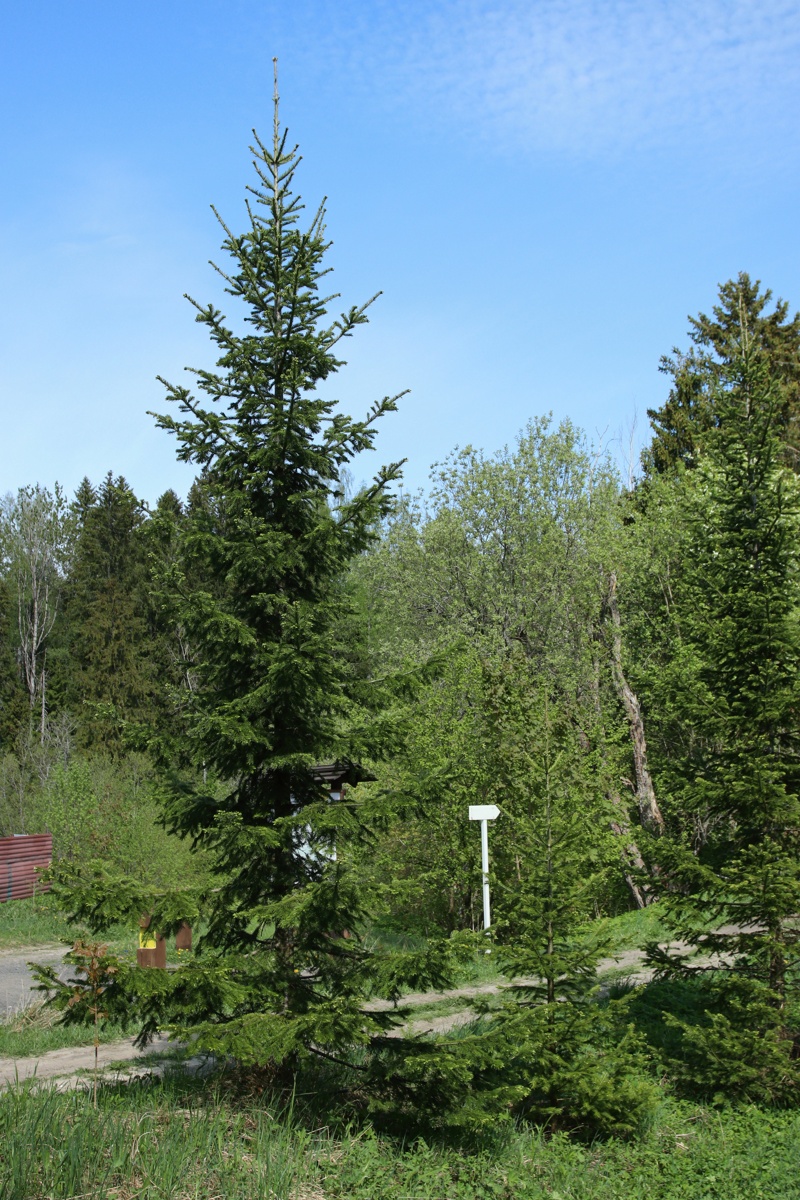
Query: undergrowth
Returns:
{"type": "Point", "coordinates": [180, 1138]}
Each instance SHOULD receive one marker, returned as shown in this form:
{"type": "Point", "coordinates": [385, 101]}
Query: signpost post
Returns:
{"type": "Point", "coordinates": [485, 813]}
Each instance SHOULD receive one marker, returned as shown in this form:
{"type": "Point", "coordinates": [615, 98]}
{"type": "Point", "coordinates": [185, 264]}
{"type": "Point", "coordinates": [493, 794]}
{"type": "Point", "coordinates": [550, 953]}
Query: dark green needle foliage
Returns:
{"type": "Point", "coordinates": [550, 1052]}
{"type": "Point", "coordinates": [682, 424]}
{"type": "Point", "coordinates": [110, 683]}
{"type": "Point", "coordinates": [12, 697]}
{"type": "Point", "coordinates": [733, 683]}
{"type": "Point", "coordinates": [256, 584]}
{"type": "Point", "coordinates": [566, 1059]}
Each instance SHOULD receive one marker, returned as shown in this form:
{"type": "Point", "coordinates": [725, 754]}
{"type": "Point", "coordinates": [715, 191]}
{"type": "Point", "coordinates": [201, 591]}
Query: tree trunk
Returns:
{"type": "Point", "coordinates": [631, 857]}
{"type": "Point", "coordinates": [649, 811]}
{"type": "Point", "coordinates": [630, 854]}
{"type": "Point", "coordinates": [43, 723]}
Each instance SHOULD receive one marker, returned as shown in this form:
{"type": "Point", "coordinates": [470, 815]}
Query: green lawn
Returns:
{"type": "Point", "coordinates": [38, 922]}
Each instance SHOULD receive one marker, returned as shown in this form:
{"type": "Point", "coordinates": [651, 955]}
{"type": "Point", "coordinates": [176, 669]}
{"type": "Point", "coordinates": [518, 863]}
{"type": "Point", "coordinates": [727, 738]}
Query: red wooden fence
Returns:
{"type": "Point", "coordinates": [20, 859]}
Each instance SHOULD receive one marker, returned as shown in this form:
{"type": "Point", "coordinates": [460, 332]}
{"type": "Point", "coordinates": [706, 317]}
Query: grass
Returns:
{"type": "Point", "coordinates": [34, 1030]}
{"type": "Point", "coordinates": [181, 1139]}
{"type": "Point", "coordinates": [35, 922]}
{"type": "Point", "coordinates": [632, 930]}
{"type": "Point", "coordinates": [233, 1138]}
{"type": "Point", "coordinates": [38, 922]}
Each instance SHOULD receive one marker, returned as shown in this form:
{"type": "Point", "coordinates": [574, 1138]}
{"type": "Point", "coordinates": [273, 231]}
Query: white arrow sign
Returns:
{"type": "Point", "coordinates": [483, 812]}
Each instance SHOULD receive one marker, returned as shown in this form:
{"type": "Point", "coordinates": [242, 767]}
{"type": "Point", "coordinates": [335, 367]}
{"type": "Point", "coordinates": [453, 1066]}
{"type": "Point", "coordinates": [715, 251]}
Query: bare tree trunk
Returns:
{"type": "Point", "coordinates": [649, 811]}
{"type": "Point", "coordinates": [631, 857]}
{"type": "Point", "coordinates": [630, 854]}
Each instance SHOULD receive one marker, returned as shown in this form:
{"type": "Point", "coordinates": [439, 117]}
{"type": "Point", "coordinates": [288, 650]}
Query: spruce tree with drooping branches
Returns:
{"type": "Point", "coordinates": [257, 583]}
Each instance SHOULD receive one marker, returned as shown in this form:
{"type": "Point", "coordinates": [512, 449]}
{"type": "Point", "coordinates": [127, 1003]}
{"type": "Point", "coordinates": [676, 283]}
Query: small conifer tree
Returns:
{"type": "Point", "coordinates": [550, 1052]}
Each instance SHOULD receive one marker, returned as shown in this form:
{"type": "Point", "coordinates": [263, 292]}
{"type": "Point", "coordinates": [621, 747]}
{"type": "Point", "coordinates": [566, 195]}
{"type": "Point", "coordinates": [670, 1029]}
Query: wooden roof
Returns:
{"type": "Point", "coordinates": [340, 772]}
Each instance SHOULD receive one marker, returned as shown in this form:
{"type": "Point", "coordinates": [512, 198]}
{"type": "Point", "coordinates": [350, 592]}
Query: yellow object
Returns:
{"type": "Point", "coordinates": [146, 940]}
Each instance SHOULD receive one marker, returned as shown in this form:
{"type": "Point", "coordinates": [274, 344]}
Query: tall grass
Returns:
{"type": "Point", "coordinates": [35, 922]}
{"type": "Point", "coordinates": [145, 1142]}
{"type": "Point", "coordinates": [177, 1140]}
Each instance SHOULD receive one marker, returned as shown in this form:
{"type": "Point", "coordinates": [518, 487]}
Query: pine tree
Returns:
{"type": "Point", "coordinates": [110, 682]}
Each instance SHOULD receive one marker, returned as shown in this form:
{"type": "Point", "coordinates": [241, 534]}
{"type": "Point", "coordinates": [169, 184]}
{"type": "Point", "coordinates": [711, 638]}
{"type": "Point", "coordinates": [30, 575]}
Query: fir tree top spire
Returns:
{"type": "Point", "coordinates": [266, 412]}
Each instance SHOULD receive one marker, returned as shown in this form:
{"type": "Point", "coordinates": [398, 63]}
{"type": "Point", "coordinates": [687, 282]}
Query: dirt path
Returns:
{"type": "Point", "coordinates": [73, 1059]}
{"type": "Point", "coordinates": [626, 960]}
{"type": "Point", "coordinates": [66, 1064]}
{"type": "Point", "coordinates": [627, 964]}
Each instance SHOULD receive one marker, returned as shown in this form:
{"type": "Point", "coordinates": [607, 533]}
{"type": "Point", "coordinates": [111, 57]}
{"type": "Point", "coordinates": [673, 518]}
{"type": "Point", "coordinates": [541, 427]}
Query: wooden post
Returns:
{"type": "Point", "coordinates": [183, 938]}
{"type": "Point", "coordinates": [152, 950]}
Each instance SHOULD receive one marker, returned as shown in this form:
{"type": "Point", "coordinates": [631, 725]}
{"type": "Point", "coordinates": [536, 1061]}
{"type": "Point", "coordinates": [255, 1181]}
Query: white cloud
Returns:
{"type": "Point", "coordinates": [578, 75]}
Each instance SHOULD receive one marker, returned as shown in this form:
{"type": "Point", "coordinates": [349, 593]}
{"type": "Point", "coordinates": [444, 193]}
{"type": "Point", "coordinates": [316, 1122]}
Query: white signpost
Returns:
{"type": "Point", "coordinates": [485, 813]}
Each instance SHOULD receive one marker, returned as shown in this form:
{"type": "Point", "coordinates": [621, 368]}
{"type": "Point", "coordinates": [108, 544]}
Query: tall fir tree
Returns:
{"type": "Point", "coordinates": [257, 584]}
{"type": "Point", "coordinates": [733, 684]}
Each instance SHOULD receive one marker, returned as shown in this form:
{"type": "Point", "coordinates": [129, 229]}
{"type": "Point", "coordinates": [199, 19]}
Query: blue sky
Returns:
{"type": "Point", "coordinates": [543, 191]}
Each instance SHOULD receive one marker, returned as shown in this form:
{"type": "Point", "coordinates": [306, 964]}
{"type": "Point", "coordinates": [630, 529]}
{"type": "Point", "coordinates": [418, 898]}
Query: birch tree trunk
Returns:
{"type": "Point", "coordinates": [34, 544]}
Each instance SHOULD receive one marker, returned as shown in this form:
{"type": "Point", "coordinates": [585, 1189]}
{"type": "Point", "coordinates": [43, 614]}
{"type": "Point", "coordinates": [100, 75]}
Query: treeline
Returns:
{"type": "Point", "coordinates": [654, 623]}
{"type": "Point", "coordinates": [541, 592]}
